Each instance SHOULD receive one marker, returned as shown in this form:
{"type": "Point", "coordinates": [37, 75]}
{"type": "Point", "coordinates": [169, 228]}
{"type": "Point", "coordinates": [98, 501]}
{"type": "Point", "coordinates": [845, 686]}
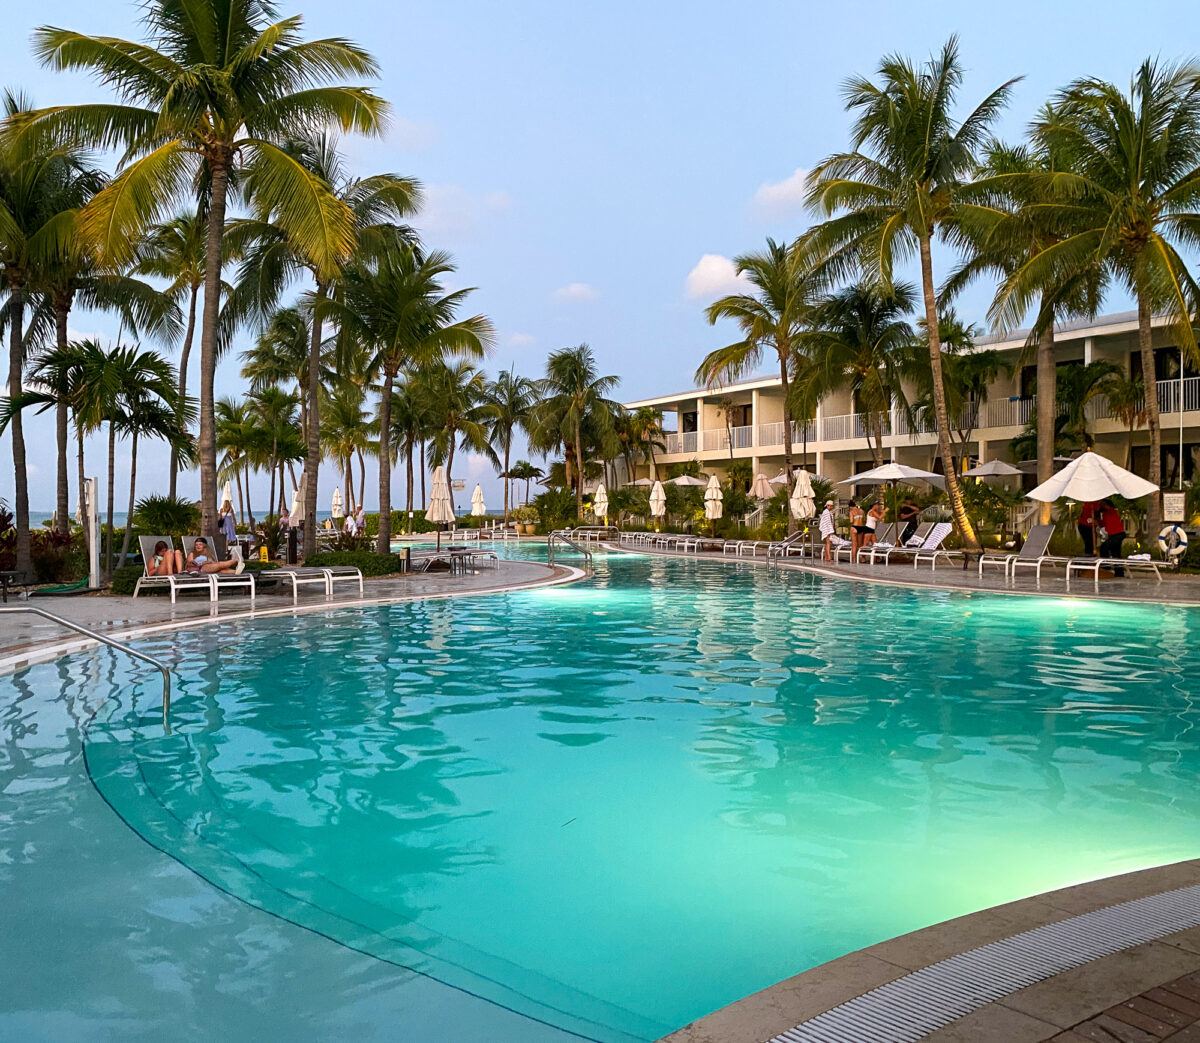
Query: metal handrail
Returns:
{"type": "Point", "coordinates": [118, 645]}
{"type": "Point", "coordinates": [562, 537]}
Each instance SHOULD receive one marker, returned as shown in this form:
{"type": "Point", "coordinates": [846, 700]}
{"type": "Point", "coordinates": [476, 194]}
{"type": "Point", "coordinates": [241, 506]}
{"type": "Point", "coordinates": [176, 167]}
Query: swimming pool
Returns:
{"type": "Point", "coordinates": [614, 806]}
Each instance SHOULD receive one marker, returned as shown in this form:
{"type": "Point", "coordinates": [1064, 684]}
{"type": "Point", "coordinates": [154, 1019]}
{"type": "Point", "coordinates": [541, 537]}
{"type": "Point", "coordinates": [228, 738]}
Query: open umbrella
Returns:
{"type": "Point", "coordinates": [992, 469]}
{"type": "Point", "coordinates": [1092, 477]}
{"type": "Point", "coordinates": [643, 482]}
{"type": "Point", "coordinates": [600, 501]}
{"type": "Point", "coordinates": [893, 474]}
{"type": "Point", "coordinates": [440, 511]}
{"type": "Point", "coordinates": [685, 480]}
{"type": "Point", "coordinates": [478, 507]}
{"type": "Point", "coordinates": [335, 505]}
{"type": "Point", "coordinates": [761, 489]}
{"type": "Point", "coordinates": [713, 501]}
{"type": "Point", "coordinates": [658, 501]}
{"type": "Point", "coordinates": [781, 479]}
{"type": "Point", "coordinates": [802, 502]}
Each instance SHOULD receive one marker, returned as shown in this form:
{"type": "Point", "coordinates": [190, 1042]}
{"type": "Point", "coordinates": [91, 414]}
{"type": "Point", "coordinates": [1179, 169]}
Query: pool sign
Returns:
{"type": "Point", "coordinates": [1174, 507]}
{"type": "Point", "coordinates": [458, 484]}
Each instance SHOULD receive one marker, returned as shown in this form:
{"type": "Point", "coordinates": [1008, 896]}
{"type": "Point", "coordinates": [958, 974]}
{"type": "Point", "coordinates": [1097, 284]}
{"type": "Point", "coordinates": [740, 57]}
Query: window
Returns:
{"type": "Point", "coordinates": [1166, 364]}
{"type": "Point", "coordinates": [687, 422]}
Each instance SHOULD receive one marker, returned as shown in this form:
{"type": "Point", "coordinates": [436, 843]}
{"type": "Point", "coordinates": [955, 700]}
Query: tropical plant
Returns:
{"type": "Point", "coordinates": [1126, 397]}
{"type": "Point", "coordinates": [275, 413]}
{"type": "Point", "coordinates": [212, 94]}
{"type": "Point", "coordinates": [240, 442]}
{"type": "Point", "coordinates": [1079, 386]}
{"type": "Point", "coordinates": [347, 431]}
{"type": "Point", "coordinates": [905, 183]}
{"type": "Point", "coordinates": [771, 319]}
{"type": "Point", "coordinates": [166, 516]}
{"type": "Point", "coordinates": [459, 412]}
{"type": "Point", "coordinates": [524, 471]}
{"type": "Point", "coordinates": [509, 402]}
{"type": "Point", "coordinates": [574, 399]}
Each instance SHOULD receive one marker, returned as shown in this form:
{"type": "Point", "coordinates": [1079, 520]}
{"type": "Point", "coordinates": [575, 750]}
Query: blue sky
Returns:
{"type": "Point", "coordinates": [591, 166]}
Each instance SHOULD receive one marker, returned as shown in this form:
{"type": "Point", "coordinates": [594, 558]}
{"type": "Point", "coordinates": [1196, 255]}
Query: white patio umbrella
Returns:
{"type": "Point", "coordinates": [600, 501]}
{"type": "Point", "coordinates": [658, 501]}
{"type": "Point", "coordinates": [295, 510]}
{"type": "Point", "coordinates": [440, 510]}
{"type": "Point", "coordinates": [643, 482]}
{"type": "Point", "coordinates": [685, 480]}
{"type": "Point", "coordinates": [780, 479]}
{"type": "Point", "coordinates": [478, 507]}
{"type": "Point", "coordinates": [761, 489]}
{"type": "Point", "coordinates": [335, 505]}
{"type": "Point", "coordinates": [713, 500]}
{"type": "Point", "coordinates": [1092, 477]}
{"type": "Point", "coordinates": [893, 474]}
{"type": "Point", "coordinates": [227, 494]}
{"type": "Point", "coordinates": [802, 502]}
{"type": "Point", "coordinates": [992, 469]}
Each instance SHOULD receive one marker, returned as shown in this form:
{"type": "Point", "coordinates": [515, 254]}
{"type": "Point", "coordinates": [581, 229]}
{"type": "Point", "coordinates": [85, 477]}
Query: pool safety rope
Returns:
{"type": "Point", "coordinates": [918, 1003]}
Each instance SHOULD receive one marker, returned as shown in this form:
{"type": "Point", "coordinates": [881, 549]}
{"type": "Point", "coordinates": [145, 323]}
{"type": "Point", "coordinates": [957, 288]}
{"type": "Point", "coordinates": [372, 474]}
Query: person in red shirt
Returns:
{"type": "Point", "coordinates": [1087, 527]}
{"type": "Point", "coordinates": [1114, 531]}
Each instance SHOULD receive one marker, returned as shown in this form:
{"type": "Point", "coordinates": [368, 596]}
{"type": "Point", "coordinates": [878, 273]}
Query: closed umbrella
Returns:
{"type": "Point", "coordinates": [294, 511]}
{"type": "Point", "coordinates": [658, 500]}
{"type": "Point", "coordinates": [600, 501]}
{"type": "Point", "coordinates": [713, 501]}
{"type": "Point", "coordinates": [440, 511]}
{"type": "Point", "coordinates": [685, 480]}
{"type": "Point", "coordinates": [802, 502]}
{"type": "Point", "coordinates": [335, 505]}
{"type": "Point", "coordinates": [227, 494]}
{"type": "Point", "coordinates": [1092, 477]}
{"type": "Point", "coordinates": [780, 479]}
{"type": "Point", "coordinates": [761, 489]}
{"type": "Point", "coordinates": [478, 507]}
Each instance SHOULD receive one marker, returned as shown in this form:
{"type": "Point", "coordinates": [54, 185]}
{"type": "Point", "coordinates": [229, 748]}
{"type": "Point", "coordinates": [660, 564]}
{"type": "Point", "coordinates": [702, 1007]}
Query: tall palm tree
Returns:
{"type": "Point", "coordinates": [378, 204]}
{"type": "Point", "coordinates": [346, 431]}
{"type": "Point", "coordinates": [396, 307]}
{"type": "Point", "coordinates": [1134, 186]}
{"type": "Point", "coordinates": [859, 339]}
{"type": "Point", "coordinates": [459, 412]}
{"type": "Point", "coordinates": [1079, 386]}
{"type": "Point", "coordinates": [274, 410]}
{"type": "Point", "coordinates": [175, 251]}
{"type": "Point", "coordinates": [770, 318]}
{"type": "Point", "coordinates": [902, 186]}
{"type": "Point", "coordinates": [212, 92]}
{"type": "Point", "coordinates": [509, 400]}
{"type": "Point", "coordinates": [646, 428]}
{"type": "Point", "coordinates": [524, 471]}
{"type": "Point", "coordinates": [410, 427]}
{"type": "Point", "coordinates": [574, 399]}
{"type": "Point", "coordinates": [237, 437]}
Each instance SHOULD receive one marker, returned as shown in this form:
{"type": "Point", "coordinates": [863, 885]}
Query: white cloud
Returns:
{"type": "Point", "coordinates": [412, 135]}
{"type": "Point", "coordinates": [713, 276]}
{"type": "Point", "coordinates": [451, 210]}
{"type": "Point", "coordinates": [521, 340]}
{"type": "Point", "coordinates": [577, 291]}
{"type": "Point", "coordinates": [782, 197]}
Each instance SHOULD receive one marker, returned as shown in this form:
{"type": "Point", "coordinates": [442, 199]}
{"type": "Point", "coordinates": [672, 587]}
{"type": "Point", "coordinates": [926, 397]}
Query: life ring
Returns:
{"type": "Point", "coordinates": [1173, 541]}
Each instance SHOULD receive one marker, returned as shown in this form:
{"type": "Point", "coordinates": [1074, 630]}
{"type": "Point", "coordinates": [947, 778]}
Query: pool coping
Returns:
{"type": "Point", "coordinates": [48, 650]}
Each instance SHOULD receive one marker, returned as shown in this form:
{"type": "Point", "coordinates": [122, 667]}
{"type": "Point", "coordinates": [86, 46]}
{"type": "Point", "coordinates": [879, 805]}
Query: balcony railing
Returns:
{"type": "Point", "coordinates": [772, 434]}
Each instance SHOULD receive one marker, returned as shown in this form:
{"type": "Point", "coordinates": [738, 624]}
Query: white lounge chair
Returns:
{"type": "Point", "coordinates": [1094, 565]}
{"type": "Point", "coordinates": [176, 583]}
{"type": "Point", "coordinates": [885, 535]}
{"type": "Point", "coordinates": [880, 548]}
{"type": "Point", "coordinates": [932, 542]}
{"type": "Point", "coordinates": [221, 580]}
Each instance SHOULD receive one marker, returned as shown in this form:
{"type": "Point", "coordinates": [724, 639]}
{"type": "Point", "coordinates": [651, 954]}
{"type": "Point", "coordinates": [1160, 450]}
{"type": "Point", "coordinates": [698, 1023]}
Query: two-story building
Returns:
{"type": "Point", "coordinates": [744, 421]}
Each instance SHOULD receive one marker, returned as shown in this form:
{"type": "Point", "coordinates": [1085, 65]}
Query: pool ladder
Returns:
{"type": "Point", "coordinates": [120, 646]}
{"type": "Point", "coordinates": [562, 537]}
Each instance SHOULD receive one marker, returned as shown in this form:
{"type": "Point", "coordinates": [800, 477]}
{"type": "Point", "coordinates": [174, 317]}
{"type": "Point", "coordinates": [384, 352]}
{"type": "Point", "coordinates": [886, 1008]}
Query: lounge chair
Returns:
{"type": "Point", "coordinates": [695, 543]}
{"type": "Point", "coordinates": [886, 534]}
{"type": "Point", "coordinates": [796, 543]}
{"type": "Point", "coordinates": [1094, 565]}
{"type": "Point", "coordinates": [222, 580]}
{"type": "Point", "coordinates": [881, 548]}
{"type": "Point", "coordinates": [1033, 549]}
{"type": "Point", "coordinates": [841, 546]}
{"type": "Point", "coordinates": [932, 542]}
{"type": "Point", "coordinates": [176, 583]}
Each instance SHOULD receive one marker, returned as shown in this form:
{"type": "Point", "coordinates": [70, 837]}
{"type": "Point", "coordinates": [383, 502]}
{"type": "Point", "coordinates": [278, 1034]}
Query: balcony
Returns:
{"type": "Point", "coordinates": [770, 435]}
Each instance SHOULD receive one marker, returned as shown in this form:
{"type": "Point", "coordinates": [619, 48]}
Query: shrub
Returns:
{"type": "Point", "coordinates": [527, 515]}
{"type": "Point", "coordinates": [166, 516]}
{"type": "Point", "coordinates": [125, 578]}
{"type": "Point", "coordinates": [367, 562]}
{"type": "Point", "coordinates": [49, 550]}
{"type": "Point", "coordinates": [399, 523]}
{"type": "Point", "coordinates": [556, 509]}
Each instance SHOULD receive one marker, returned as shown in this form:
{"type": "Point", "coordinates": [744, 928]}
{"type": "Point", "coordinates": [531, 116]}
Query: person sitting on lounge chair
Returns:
{"type": "Point", "coordinates": [202, 561]}
{"type": "Point", "coordinates": [165, 562]}
{"type": "Point", "coordinates": [828, 529]}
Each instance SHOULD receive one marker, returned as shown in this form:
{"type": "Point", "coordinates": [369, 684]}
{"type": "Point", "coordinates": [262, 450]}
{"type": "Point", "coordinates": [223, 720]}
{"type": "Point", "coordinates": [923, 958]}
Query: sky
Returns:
{"type": "Point", "coordinates": [594, 166]}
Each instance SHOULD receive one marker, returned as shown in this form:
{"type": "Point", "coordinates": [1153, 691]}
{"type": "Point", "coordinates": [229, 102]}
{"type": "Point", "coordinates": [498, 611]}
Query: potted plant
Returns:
{"type": "Point", "coordinates": [527, 519]}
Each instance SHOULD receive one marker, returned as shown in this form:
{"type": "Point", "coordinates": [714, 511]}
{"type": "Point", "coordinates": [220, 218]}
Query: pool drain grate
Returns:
{"type": "Point", "coordinates": [918, 1003]}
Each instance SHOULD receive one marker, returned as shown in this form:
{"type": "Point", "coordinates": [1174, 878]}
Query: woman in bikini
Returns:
{"type": "Point", "coordinates": [201, 561]}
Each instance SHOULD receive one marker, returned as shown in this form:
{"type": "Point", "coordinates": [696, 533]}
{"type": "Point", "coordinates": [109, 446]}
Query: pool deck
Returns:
{"type": "Point", "coordinates": [26, 639]}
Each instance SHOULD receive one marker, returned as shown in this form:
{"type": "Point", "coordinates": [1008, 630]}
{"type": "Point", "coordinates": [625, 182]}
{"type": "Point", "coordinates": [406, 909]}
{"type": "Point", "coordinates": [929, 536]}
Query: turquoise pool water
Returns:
{"type": "Point", "coordinates": [617, 805]}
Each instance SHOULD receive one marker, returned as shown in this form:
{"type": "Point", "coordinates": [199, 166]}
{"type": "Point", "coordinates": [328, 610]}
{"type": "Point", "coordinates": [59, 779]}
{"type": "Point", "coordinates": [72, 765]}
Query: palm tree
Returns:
{"type": "Point", "coordinates": [274, 410]}
{"type": "Point", "coordinates": [346, 431]}
{"type": "Point", "coordinates": [1079, 386]}
{"type": "Point", "coordinates": [647, 434]}
{"type": "Point", "coordinates": [509, 400]}
{"type": "Point", "coordinates": [459, 412]}
{"type": "Point", "coordinates": [212, 93]}
{"type": "Point", "coordinates": [858, 338]}
{"type": "Point", "coordinates": [396, 308]}
{"type": "Point", "coordinates": [770, 319]}
{"type": "Point", "coordinates": [903, 186]}
{"type": "Point", "coordinates": [524, 471]}
{"type": "Point", "coordinates": [237, 436]}
{"type": "Point", "coordinates": [410, 427]}
{"type": "Point", "coordinates": [1133, 162]}
{"type": "Point", "coordinates": [574, 400]}
{"type": "Point", "coordinates": [378, 204]}
{"type": "Point", "coordinates": [1126, 396]}
{"type": "Point", "coordinates": [175, 251]}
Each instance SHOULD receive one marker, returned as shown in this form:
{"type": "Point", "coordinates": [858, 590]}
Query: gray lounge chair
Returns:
{"type": "Point", "coordinates": [1034, 547]}
{"type": "Point", "coordinates": [932, 542]}
{"type": "Point", "coordinates": [881, 548]}
{"type": "Point", "coordinates": [176, 583]}
{"type": "Point", "coordinates": [885, 535]}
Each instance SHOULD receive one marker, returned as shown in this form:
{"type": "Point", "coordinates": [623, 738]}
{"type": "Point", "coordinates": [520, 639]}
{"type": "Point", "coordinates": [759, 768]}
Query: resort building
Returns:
{"type": "Point", "coordinates": [744, 421]}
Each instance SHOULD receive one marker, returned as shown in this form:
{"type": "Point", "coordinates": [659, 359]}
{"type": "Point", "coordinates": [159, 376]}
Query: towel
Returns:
{"type": "Point", "coordinates": [826, 523]}
{"type": "Point", "coordinates": [1138, 557]}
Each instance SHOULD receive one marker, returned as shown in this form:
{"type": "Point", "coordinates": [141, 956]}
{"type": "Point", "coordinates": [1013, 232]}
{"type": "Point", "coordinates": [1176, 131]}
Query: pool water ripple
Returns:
{"type": "Point", "coordinates": [618, 805]}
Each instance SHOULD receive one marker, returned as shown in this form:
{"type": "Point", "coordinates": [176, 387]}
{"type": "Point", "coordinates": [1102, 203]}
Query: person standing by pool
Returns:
{"type": "Point", "coordinates": [874, 516]}
{"type": "Point", "coordinates": [827, 528]}
{"type": "Point", "coordinates": [910, 517]}
{"type": "Point", "coordinates": [228, 523]}
{"type": "Point", "coordinates": [1087, 527]}
{"type": "Point", "coordinates": [1114, 531]}
{"type": "Point", "coordinates": [858, 529]}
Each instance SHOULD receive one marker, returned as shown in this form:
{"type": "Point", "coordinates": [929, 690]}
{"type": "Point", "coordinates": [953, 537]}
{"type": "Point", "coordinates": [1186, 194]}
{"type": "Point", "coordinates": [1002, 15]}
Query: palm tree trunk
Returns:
{"type": "Point", "coordinates": [62, 504]}
{"type": "Point", "coordinates": [218, 165]}
{"type": "Point", "coordinates": [16, 368]}
{"type": "Point", "coordinates": [424, 497]}
{"type": "Point", "coordinates": [787, 425]}
{"type": "Point", "coordinates": [449, 470]}
{"type": "Point", "coordinates": [362, 479]}
{"type": "Point", "coordinates": [507, 480]}
{"type": "Point", "coordinates": [409, 479]}
{"type": "Point", "coordinates": [79, 465]}
{"type": "Point", "coordinates": [348, 476]}
{"type": "Point", "coordinates": [1150, 380]}
{"type": "Point", "coordinates": [383, 542]}
{"type": "Point", "coordinates": [312, 461]}
{"type": "Point", "coordinates": [271, 509]}
{"type": "Point", "coordinates": [578, 473]}
{"type": "Point", "coordinates": [249, 505]}
{"type": "Point", "coordinates": [875, 439]}
{"type": "Point", "coordinates": [132, 487]}
{"type": "Point", "coordinates": [112, 474]}
{"type": "Point", "coordinates": [945, 451]}
{"type": "Point", "coordinates": [184, 356]}
{"type": "Point", "coordinates": [1047, 410]}
{"type": "Point", "coordinates": [237, 478]}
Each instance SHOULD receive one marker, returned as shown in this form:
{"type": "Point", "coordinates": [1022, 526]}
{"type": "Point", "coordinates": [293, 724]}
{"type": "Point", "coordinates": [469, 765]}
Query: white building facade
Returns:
{"type": "Point", "coordinates": [744, 421]}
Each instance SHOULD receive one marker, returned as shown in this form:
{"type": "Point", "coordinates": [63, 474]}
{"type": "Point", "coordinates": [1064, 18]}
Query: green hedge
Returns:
{"type": "Point", "coordinates": [399, 523]}
{"type": "Point", "coordinates": [125, 578]}
{"type": "Point", "coordinates": [367, 562]}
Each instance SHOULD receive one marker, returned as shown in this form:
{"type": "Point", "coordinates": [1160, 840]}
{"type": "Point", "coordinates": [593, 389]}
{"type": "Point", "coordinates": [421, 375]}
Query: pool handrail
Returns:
{"type": "Point", "coordinates": [111, 642]}
{"type": "Point", "coordinates": [563, 536]}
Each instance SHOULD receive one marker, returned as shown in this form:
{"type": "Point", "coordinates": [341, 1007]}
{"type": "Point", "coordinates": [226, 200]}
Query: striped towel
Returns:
{"type": "Point", "coordinates": [826, 524]}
